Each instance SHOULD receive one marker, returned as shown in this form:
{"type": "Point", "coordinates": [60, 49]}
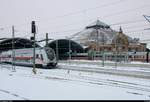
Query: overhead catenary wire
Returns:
{"type": "Point", "coordinates": [127, 22]}
{"type": "Point", "coordinates": [115, 24]}
{"type": "Point", "coordinates": [71, 13]}
{"type": "Point", "coordinates": [61, 32]}
{"type": "Point", "coordinates": [88, 9]}
{"type": "Point", "coordinates": [105, 5]}
{"type": "Point", "coordinates": [135, 26]}
{"type": "Point", "coordinates": [133, 31]}
{"type": "Point", "coordinates": [122, 22]}
{"type": "Point", "coordinates": [17, 32]}
{"type": "Point", "coordinates": [108, 16]}
{"type": "Point", "coordinates": [127, 11]}
{"type": "Point", "coordinates": [120, 12]}
{"type": "Point", "coordinates": [82, 28]}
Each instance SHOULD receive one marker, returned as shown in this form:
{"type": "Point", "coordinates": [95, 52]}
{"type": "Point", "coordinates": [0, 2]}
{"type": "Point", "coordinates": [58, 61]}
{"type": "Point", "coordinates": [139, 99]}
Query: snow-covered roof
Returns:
{"type": "Point", "coordinates": [6, 44]}
{"type": "Point", "coordinates": [103, 34]}
{"type": "Point", "coordinates": [99, 24]}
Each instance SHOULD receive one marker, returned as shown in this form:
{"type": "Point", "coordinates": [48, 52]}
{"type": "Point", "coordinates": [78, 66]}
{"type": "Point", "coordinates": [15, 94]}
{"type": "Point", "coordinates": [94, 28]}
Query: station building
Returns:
{"type": "Point", "coordinates": [96, 42]}
{"type": "Point", "coordinates": [102, 41]}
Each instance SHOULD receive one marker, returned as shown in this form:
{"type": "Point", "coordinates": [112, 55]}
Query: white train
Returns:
{"type": "Point", "coordinates": [45, 57]}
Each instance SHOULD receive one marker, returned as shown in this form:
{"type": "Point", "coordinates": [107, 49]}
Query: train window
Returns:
{"type": "Point", "coordinates": [9, 56]}
{"type": "Point", "coordinates": [41, 57]}
{"type": "Point", "coordinates": [50, 53]}
{"type": "Point", "coordinates": [37, 55]}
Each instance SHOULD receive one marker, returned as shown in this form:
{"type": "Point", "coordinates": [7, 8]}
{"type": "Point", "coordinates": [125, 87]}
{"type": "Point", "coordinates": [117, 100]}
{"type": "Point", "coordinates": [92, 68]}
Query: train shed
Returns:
{"type": "Point", "coordinates": [62, 47]}
{"type": "Point", "coordinates": [6, 44]}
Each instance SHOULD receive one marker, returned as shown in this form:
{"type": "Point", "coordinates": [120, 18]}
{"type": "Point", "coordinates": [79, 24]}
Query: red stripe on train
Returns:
{"type": "Point", "coordinates": [23, 58]}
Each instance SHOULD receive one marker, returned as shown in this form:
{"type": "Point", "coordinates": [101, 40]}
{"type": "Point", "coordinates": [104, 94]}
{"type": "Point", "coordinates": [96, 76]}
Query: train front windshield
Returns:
{"type": "Point", "coordinates": [50, 53]}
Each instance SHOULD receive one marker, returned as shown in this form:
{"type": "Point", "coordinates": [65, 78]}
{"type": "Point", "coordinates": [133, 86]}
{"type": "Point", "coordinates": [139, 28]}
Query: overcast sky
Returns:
{"type": "Point", "coordinates": [61, 18]}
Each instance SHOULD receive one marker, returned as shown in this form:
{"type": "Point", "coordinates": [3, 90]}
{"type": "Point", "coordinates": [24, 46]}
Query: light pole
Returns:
{"type": "Point", "coordinates": [13, 52]}
{"type": "Point", "coordinates": [96, 44]}
{"type": "Point", "coordinates": [69, 47]}
{"type": "Point", "coordinates": [46, 39]}
{"type": "Point", "coordinates": [103, 50]}
{"type": "Point", "coordinates": [148, 19]}
{"type": "Point", "coordinates": [34, 32]}
{"type": "Point", "coordinates": [0, 60]}
{"type": "Point", "coordinates": [116, 51]}
{"type": "Point", "coordinates": [69, 50]}
{"type": "Point", "coordinates": [57, 50]}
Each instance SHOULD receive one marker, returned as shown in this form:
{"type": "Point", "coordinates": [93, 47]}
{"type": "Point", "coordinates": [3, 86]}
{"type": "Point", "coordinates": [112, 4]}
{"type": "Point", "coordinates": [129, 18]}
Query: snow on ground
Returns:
{"type": "Point", "coordinates": [59, 84]}
{"type": "Point", "coordinates": [98, 64]}
{"type": "Point", "coordinates": [99, 61]}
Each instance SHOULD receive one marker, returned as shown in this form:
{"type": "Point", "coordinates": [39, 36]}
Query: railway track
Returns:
{"type": "Point", "coordinates": [147, 65]}
{"type": "Point", "coordinates": [109, 82]}
{"type": "Point", "coordinates": [137, 74]}
{"type": "Point", "coordinates": [13, 94]}
{"type": "Point", "coordinates": [67, 77]}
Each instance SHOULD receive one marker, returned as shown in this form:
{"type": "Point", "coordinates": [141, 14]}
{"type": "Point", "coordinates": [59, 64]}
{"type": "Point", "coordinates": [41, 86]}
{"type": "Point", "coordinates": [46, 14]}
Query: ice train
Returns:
{"type": "Point", "coordinates": [44, 57]}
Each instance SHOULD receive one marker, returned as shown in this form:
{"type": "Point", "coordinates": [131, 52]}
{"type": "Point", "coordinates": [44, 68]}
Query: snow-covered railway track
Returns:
{"type": "Point", "coordinates": [137, 74]}
{"type": "Point", "coordinates": [55, 74]}
{"type": "Point", "coordinates": [97, 81]}
{"type": "Point", "coordinates": [121, 84]}
{"type": "Point", "coordinates": [109, 82]}
{"type": "Point", "coordinates": [90, 80]}
{"type": "Point", "coordinates": [109, 64]}
{"type": "Point", "coordinates": [3, 65]}
{"type": "Point", "coordinates": [13, 94]}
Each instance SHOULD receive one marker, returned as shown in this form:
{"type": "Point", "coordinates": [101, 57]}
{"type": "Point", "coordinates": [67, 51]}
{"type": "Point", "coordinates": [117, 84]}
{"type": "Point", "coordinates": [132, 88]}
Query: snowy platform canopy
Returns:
{"type": "Point", "coordinates": [6, 44]}
{"type": "Point", "coordinates": [63, 47]}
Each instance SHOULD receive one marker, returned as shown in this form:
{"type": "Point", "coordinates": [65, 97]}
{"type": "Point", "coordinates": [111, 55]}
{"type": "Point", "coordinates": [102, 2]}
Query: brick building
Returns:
{"type": "Point", "coordinates": [100, 39]}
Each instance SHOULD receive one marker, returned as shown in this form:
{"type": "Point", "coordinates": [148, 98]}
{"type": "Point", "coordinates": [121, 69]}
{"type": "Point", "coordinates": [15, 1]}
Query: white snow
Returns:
{"type": "Point", "coordinates": [132, 66]}
{"type": "Point", "coordinates": [59, 84]}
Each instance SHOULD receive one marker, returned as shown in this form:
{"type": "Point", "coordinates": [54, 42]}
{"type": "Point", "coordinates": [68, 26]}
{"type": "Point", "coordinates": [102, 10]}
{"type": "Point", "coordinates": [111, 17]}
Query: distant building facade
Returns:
{"type": "Point", "coordinates": [100, 39]}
